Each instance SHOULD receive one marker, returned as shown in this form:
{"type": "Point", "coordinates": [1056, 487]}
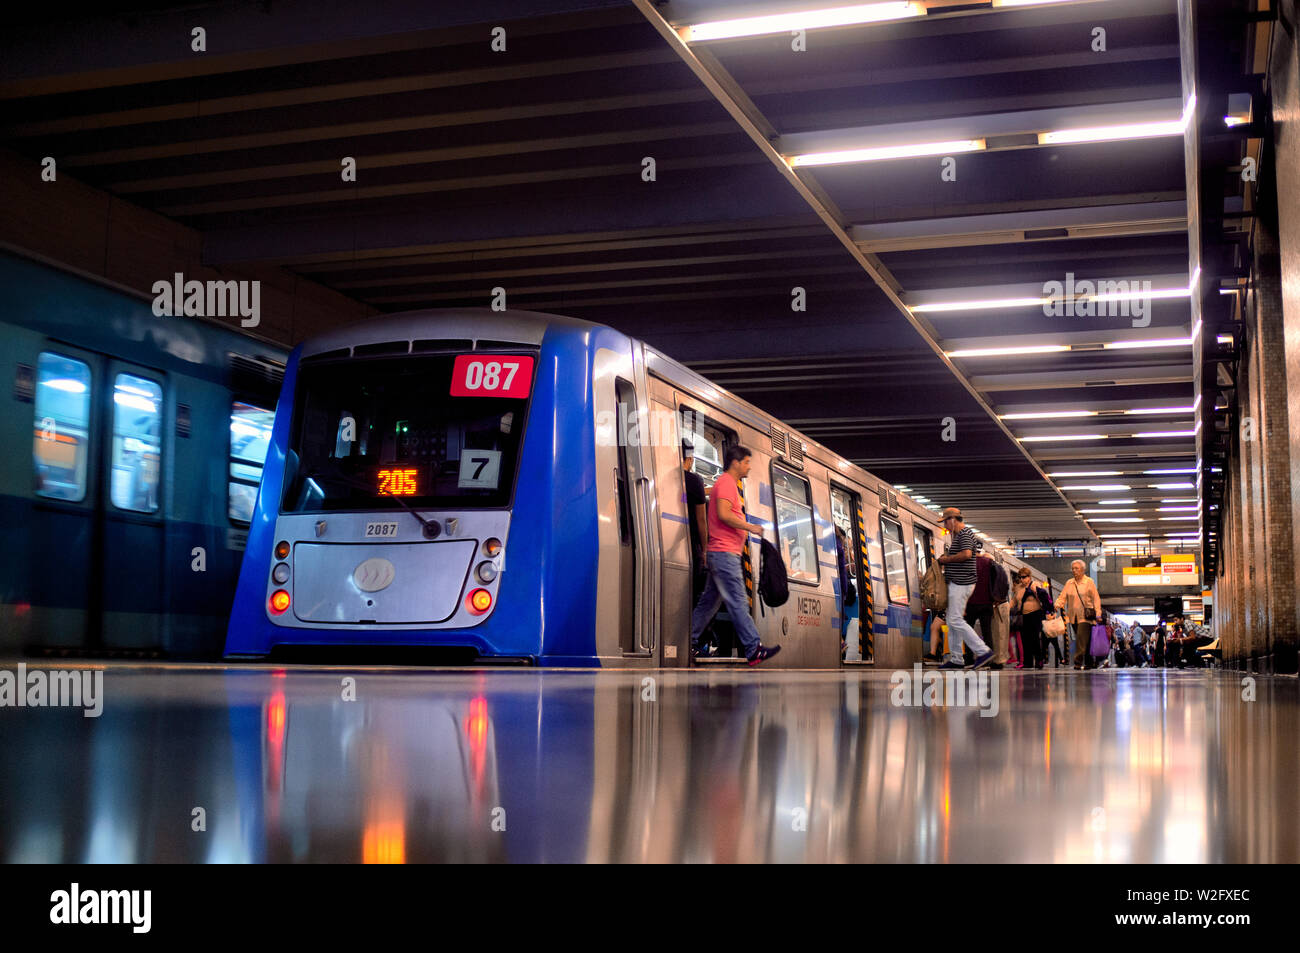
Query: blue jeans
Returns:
{"type": "Point", "coordinates": [959, 630]}
{"type": "Point", "coordinates": [726, 584]}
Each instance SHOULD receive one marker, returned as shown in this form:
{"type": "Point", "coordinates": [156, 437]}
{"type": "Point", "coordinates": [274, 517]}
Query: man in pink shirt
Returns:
{"type": "Point", "coordinates": [728, 535]}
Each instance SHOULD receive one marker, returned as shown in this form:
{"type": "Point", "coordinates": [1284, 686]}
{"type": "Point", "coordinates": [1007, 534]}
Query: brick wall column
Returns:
{"type": "Point", "coordinates": [1275, 576]}
{"type": "Point", "coordinates": [1277, 282]}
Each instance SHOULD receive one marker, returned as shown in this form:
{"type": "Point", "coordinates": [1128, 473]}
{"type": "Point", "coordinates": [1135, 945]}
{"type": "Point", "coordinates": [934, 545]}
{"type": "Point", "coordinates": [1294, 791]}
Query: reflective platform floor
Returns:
{"type": "Point", "coordinates": [258, 763]}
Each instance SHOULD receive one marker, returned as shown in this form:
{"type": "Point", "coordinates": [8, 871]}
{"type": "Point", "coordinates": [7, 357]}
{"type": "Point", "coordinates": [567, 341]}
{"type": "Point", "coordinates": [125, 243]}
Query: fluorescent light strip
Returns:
{"type": "Point", "coordinates": [1171, 486]}
{"type": "Point", "coordinates": [1108, 486]}
{"type": "Point", "coordinates": [1167, 433]}
{"type": "Point", "coordinates": [804, 20]}
{"type": "Point", "coordinates": [1119, 519]}
{"type": "Point", "coordinates": [1079, 473]}
{"type": "Point", "coordinates": [1153, 342]}
{"type": "Point", "coordinates": [984, 304]}
{"type": "Point", "coordinates": [1008, 351]}
{"type": "Point", "coordinates": [1049, 415]}
{"type": "Point", "coordinates": [1177, 509]}
{"type": "Point", "coordinates": [1058, 348]}
{"type": "Point", "coordinates": [1124, 510]}
{"type": "Point", "coordinates": [979, 305]}
{"type": "Point", "coordinates": [1154, 472]}
{"type": "Point", "coordinates": [881, 153]}
{"type": "Point", "coordinates": [1134, 130]}
{"type": "Point", "coordinates": [1115, 502]}
{"type": "Point", "coordinates": [1054, 414]}
{"type": "Point", "coordinates": [1065, 436]}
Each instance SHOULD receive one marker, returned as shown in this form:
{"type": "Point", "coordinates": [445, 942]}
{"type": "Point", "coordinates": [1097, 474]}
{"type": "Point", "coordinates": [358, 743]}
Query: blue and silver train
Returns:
{"type": "Point", "coordinates": [134, 453]}
{"type": "Point", "coordinates": [509, 485]}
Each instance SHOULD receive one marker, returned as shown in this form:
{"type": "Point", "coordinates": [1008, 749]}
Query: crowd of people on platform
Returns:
{"type": "Point", "coordinates": [1021, 626]}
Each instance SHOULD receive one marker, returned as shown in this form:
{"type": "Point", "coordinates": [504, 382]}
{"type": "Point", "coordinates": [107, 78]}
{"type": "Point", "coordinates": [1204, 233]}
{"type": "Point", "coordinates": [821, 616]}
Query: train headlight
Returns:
{"type": "Point", "coordinates": [279, 601]}
{"type": "Point", "coordinates": [280, 573]}
{"type": "Point", "coordinates": [479, 601]}
{"type": "Point", "coordinates": [282, 549]}
{"type": "Point", "coordinates": [486, 572]}
{"type": "Point", "coordinates": [491, 546]}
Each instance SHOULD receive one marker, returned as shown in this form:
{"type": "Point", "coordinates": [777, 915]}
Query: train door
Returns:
{"type": "Point", "coordinates": [674, 489]}
{"type": "Point", "coordinates": [709, 442]}
{"type": "Point", "coordinates": [67, 382]}
{"type": "Point", "coordinates": [132, 506]}
{"type": "Point", "coordinates": [896, 596]}
{"type": "Point", "coordinates": [923, 540]}
{"type": "Point", "coordinates": [855, 605]}
{"type": "Point", "coordinates": [626, 478]}
{"type": "Point", "coordinates": [97, 460]}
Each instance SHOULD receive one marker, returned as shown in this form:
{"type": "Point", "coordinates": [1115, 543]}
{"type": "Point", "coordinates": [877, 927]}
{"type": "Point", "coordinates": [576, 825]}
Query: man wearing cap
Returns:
{"type": "Point", "coordinates": [958, 563]}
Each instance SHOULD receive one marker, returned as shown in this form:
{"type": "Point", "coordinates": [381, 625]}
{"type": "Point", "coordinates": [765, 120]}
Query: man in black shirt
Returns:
{"type": "Point", "coordinates": [697, 516]}
{"type": "Point", "coordinates": [696, 501]}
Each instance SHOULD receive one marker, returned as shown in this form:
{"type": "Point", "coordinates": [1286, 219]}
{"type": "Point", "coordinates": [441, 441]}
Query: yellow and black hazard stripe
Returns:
{"type": "Point", "coordinates": [746, 565]}
{"type": "Point", "coordinates": [867, 617]}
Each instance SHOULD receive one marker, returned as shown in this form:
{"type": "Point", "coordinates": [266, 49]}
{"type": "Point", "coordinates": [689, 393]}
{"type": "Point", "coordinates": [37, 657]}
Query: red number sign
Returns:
{"type": "Point", "coordinates": [492, 375]}
{"type": "Point", "coordinates": [398, 482]}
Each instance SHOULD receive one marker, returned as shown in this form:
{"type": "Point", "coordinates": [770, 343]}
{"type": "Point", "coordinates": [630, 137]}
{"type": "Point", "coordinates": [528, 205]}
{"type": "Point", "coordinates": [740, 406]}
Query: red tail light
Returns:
{"type": "Point", "coordinates": [478, 601]}
{"type": "Point", "coordinates": [279, 601]}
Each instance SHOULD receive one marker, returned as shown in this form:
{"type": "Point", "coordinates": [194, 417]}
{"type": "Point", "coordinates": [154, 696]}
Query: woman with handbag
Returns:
{"type": "Point", "coordinates": [1081, 605]}
{"type": "Point", "coordinates": [1029, 602]}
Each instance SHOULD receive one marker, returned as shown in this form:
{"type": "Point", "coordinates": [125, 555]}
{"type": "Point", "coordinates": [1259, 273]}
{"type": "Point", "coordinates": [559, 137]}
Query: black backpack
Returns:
{"type": "Point", "coordinates": [773, 586]}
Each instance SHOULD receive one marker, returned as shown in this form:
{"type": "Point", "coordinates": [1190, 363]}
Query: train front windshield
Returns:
{"type": "Point", "coordinates": [434, 431]}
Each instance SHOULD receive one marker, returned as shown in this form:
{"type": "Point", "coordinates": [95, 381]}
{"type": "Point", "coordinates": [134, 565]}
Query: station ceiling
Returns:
{"type": "Point", "coordinates": [525, 168]}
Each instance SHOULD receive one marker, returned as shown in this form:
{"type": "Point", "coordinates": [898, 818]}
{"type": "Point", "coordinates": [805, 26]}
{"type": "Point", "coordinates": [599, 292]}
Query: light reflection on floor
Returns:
{"type": "Point", "coordinates": [527, 765]}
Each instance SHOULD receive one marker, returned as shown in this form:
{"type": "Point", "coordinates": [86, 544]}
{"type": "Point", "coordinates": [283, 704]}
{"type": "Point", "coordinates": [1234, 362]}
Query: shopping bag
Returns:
{"type": "Point", "coordinates": [1100, 641]}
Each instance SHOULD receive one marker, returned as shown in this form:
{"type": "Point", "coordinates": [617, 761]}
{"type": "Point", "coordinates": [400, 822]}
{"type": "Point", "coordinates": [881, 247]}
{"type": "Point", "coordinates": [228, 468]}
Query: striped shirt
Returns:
{"type": "Point", "coordinates": [962, 573]}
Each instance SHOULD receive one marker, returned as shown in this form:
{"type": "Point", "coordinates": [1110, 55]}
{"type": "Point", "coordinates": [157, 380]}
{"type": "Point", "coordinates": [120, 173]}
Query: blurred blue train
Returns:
{"type": "Point", "coordinates": [134, 452]}
{"type": "Point", "coordinates": [510, 486]}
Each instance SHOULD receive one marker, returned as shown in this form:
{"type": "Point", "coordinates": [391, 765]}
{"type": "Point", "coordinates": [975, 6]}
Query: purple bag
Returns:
{"type": "Point", "coordinates": [1100, 640]}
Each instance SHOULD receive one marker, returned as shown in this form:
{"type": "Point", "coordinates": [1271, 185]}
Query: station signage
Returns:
{"type": "Point", "coordinates": [1182, 563]}
{"type": "Point", "coordinates": [1176, 573]}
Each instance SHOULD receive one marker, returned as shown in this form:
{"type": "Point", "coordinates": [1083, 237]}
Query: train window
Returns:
{"type": "Point", "coordinates": [891, 543]}
{"type": "Point", "coordinates": [250, 435]}
{"type": "Point", "coordinates": [137, 434]}
{"type": "Point", "coordinates": [924, 540]}
{"type": "Point", "coordinates": [843, 514]}
{"type": "Point", "coordinates": [626, 396]}
{"type": "Point", "coordinates": [842, 511]}
{"type": "Point", "coordinates": [792, 501]}
{"type": "Point", "coordinates": [709, 443]}
{"type": "Point", "coordinates": [62, 427]}
{"type": "Point", "coordinates": [368, 430]}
